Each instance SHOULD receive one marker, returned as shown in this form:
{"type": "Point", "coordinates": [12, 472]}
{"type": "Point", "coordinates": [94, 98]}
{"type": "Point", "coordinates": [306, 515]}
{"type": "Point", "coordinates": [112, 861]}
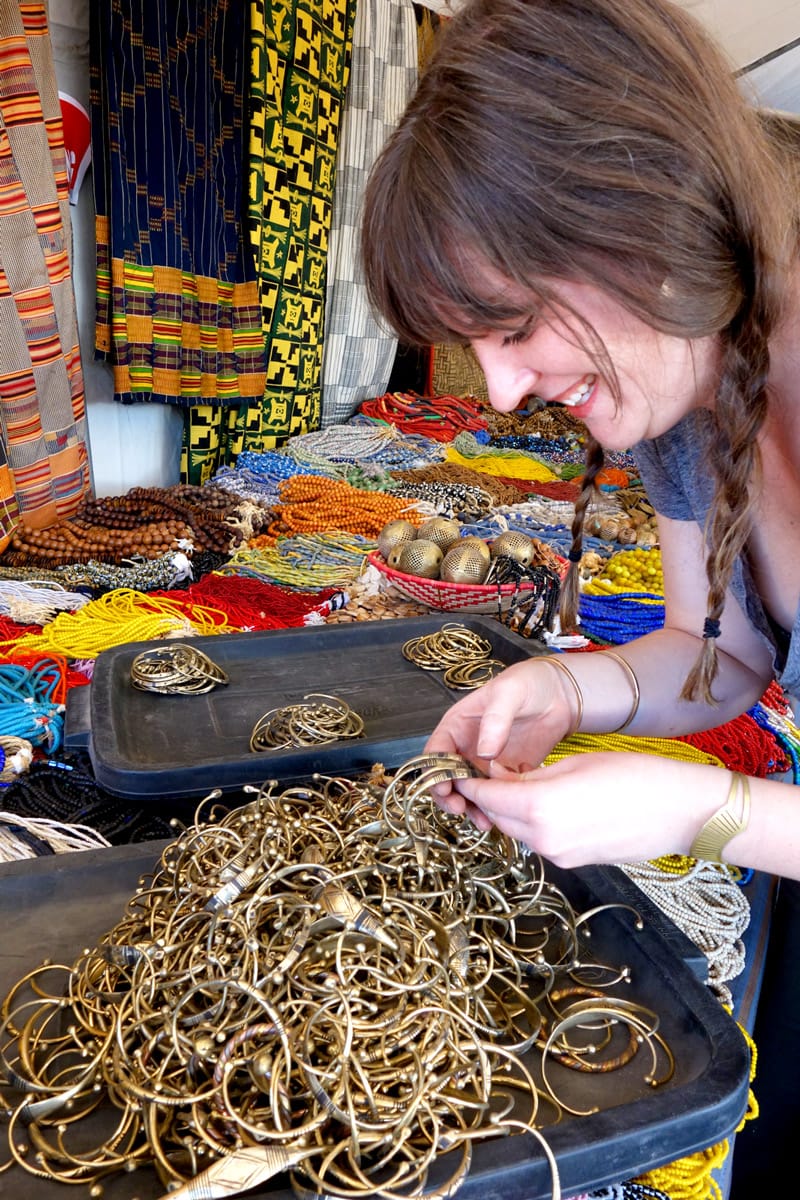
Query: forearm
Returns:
{"type": "Point", "coordinates": [661, 662]}
{"type": "Point", "coordinates": [771, 839]}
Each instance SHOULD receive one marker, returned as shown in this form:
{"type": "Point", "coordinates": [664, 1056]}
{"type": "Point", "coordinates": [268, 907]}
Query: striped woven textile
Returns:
{"type": "Point", "coordinates": [300, 53]}
{"type": "Point", "coordinates": [178, 314]}
{"type": "Point", "coordinates": [44, 466]}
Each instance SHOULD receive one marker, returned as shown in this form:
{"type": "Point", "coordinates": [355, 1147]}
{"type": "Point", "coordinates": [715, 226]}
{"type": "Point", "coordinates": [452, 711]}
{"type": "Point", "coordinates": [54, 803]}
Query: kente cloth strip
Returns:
{"type": "Point", "coordinates": [177, 298]}
{"type": "Point", "coordinates": [300, 54]}
{"type": "Point", "coordinates": [44, 468]}
{"type": "Point", "coordinates": [358, 353]}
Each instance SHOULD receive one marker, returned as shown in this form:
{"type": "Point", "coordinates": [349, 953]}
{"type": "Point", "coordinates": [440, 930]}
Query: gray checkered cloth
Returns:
{"type": "Point", "coordinates": [358, 353]}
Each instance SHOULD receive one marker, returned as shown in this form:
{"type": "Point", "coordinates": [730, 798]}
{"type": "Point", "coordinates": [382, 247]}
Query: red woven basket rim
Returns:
{"type": "Point", "coordinates": [459, 589]}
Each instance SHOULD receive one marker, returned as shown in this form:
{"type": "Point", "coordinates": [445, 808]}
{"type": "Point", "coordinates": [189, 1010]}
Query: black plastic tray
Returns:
{"type": "Point", "coordinates": [54, 907]}
{"type": "Point", "coordinates": [142, 744]}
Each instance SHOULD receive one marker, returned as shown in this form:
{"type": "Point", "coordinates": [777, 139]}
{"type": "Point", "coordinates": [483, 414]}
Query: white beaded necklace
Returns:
{"type": "Point", "coordinates": [708, 906]}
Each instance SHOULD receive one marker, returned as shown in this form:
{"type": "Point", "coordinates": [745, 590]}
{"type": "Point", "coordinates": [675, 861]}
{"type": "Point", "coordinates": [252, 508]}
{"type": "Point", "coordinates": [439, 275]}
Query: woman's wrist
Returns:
{"type": "Point", "coordinates": [571, 692]}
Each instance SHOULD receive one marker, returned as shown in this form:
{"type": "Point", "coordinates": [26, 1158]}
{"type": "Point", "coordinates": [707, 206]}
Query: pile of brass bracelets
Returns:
{"type": "Point", "coordinates": [463, 655]}
{"type": "Point", "coordinates": [340, 980]}
{"type": "Point", "coordinates": [176, 670]}
{"type": "Point", "coordinates": [316, 720]}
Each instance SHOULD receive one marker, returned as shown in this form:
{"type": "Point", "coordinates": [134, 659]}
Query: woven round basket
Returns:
{"type": "Point", "coordinates": [451, 597]}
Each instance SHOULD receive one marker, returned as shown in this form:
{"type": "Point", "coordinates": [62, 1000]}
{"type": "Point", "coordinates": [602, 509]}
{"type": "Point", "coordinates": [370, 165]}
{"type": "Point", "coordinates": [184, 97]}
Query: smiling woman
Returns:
{"type": "Point", "coordinates": [594, 164]}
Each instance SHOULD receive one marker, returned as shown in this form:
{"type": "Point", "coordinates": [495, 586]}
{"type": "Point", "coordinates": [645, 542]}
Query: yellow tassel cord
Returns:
{"type": "Point", "coordinates": [629, 571]}
{"type": "Point", "coordinates": [120, 616]}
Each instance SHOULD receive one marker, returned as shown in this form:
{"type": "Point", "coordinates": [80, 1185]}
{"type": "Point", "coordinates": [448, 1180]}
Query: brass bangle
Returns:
{"type": "Point", "coordinates": [634, 682]}
{"type": "Point", "coordinates": [556, 662]}
{"type": "Point", "coordinates": [724, 824]}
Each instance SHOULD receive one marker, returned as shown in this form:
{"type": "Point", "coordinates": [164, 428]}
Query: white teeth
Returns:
{"type": "Point", "coordinates": [581, 394]}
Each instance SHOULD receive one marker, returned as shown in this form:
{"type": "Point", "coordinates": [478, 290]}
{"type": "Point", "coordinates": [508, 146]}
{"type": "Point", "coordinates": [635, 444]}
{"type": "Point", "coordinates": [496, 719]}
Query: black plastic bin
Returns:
{"type": "Point", "coordinates": [54, 907]}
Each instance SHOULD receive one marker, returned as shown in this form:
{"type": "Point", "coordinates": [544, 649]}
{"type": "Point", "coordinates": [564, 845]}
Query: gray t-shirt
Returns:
{"type": "Point", "coordinates": [674, 471]}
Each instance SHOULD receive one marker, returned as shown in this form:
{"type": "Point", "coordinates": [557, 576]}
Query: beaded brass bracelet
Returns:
{"type": "Point", "coordinates": [724, 824]}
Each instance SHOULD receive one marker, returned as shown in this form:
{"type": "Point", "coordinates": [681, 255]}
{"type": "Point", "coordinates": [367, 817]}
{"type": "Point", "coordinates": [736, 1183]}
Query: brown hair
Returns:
{"type": "Point", "coordinates": [602, 142]}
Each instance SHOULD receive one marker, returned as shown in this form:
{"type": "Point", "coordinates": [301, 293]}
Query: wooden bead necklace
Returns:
{"type": "Point", "coordinates": [312, 503]}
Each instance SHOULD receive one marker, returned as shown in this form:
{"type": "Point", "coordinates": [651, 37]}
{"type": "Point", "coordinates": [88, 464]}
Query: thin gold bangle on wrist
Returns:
{"type": "Point", "coordinates": [634, 682]}
{"type": "Point", "coordinates": [556, 662]}
{"type": "Point", "coordinates": [724, 824]}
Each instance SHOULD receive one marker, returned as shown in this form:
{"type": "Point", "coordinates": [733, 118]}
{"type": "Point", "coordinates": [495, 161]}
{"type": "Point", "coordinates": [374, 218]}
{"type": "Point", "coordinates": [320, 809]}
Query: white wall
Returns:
{"type": "Point", "coordinates": [749, 29]}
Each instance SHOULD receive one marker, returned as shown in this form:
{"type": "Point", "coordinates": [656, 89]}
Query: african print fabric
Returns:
{"type": "Point", "coordinates": [178, 313]}
{"type": "Point", "coordinates": [44, 466]}
{"type": "Point", "coordinates": [301, 55]}
{"type": "Point", "coordinates": [358, 352]}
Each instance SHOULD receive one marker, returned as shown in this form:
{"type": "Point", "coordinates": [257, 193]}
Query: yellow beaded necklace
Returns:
{"type": "Point", "coordinates": [120, 616]}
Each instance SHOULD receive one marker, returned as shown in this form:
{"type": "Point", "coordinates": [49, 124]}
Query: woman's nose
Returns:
{"type": "Point", "coordinates": [509, 382]}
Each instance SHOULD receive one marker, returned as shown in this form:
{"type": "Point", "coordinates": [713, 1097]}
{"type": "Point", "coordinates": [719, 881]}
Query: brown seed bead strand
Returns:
{"type": "Point", "coordinates": [70, 543]}
{"type": "Point", "coordinates": [145, 521]}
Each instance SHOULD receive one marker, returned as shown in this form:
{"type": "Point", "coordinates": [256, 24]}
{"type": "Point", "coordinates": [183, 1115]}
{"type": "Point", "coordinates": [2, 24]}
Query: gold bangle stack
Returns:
{"type": "Point", "coordinates": [724, 825]}
{"type": "Point", "coordinates": [634, 682]}
{"type": "Point", "coordinates": [556, 662]}
{"type": "Point", "coordinates": [301, 976]}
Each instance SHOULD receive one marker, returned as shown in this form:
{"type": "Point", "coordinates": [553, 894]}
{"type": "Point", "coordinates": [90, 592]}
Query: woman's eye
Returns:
{"type": "Point", "coordinates": [521, 334]}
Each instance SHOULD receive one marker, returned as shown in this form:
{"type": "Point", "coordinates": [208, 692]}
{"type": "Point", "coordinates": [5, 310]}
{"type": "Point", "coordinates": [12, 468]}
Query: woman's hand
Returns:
{"type": "Point", "coordinates": [514, 720]}
{"type": "Point", "coordinates": [598, 808]}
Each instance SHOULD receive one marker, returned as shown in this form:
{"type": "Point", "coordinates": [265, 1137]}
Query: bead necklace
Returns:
{"type": "Point", "coordinates": [145, 522]}
{"type": "Point", "coordinates": [65, 791]}
{"type": "Point", "coordinates": [311, 504]}
{"type": "Point", "coordinates": [32, 837]}
{"type": "Point", "coordinates": [622, 617]}
{"type": "Point", "coordinates": [31, 702]}
{"type": "Point", "coordinates": [35, 604]}
{"type": "Point", "coordinates": [120, 616]}
{"type": "Point", "coordinates": [248, 485]}
{"type": "Point", "coordinates": [465, 450]}
{"type": "Point", "coordinates": [557, 537]}
{"type": "Point", "coordinates": [743, 745]}
{"type": "Point", "coordinates": [708, 905]}
{"type": "Point", "coordinates": [309, 562]}
{"type": "Point", "coordinates": [630, 571]}
{"type": "Point", "coordinates": [448, 499]}
{"type": "Point", "coordinates": [448, 473]}
{"type": "Point", "coordinates": [251, 603]}
{"type": "Point", "coordinates": [438, 417]}
{"type": "Point", "coordinates": [378, 444]}
{"type": "Point", "coordinates": [785, 732]}
{"type": "Point", "coordinates": [144, 576]}
{"type": "Point", "coordinates": [586, 743]}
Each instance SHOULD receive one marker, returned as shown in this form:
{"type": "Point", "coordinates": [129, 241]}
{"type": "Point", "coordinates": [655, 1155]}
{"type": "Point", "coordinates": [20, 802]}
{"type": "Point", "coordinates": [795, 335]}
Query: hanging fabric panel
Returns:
{"type": "Point", "coordinates": [300, 54]}
{"type": "Point", "coordinates": [177, 298]}
{"type": "Point", "coordinates": [358, 352]}
{"type": "Point", "coordinates": [44, 468]}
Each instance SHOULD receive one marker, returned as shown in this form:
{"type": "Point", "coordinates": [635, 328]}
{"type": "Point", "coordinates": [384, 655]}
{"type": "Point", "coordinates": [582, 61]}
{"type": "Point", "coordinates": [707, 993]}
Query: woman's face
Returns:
{"type": "Point", "coordinates": [660, 377]}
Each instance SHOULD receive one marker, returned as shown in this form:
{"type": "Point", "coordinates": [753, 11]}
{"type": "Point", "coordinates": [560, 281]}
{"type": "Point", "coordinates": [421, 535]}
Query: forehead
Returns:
{"type": "Point", "coordinates": [487, 299]}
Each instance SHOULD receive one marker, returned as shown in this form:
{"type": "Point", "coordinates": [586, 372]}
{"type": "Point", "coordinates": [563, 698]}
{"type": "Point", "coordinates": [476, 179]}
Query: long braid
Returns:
{"type": "Point", "coordinates": [735, 460]}
{"type": "Point", "coordinates": [568, 612]}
